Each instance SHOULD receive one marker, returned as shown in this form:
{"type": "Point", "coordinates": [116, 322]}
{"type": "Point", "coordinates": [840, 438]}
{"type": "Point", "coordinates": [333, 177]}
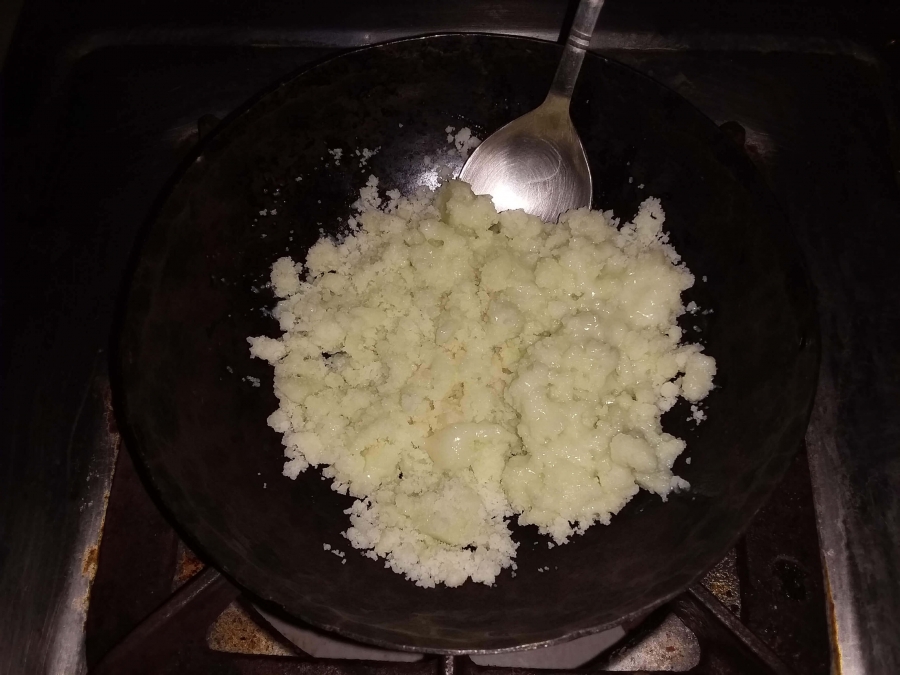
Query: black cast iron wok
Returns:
{"type": "Point", "coordinates": [199, 430]}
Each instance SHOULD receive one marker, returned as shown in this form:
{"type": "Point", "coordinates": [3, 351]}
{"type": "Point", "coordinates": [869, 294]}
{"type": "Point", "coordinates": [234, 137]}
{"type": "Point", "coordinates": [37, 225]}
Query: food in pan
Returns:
{"type": "Point", "coordinates": [453, 368]}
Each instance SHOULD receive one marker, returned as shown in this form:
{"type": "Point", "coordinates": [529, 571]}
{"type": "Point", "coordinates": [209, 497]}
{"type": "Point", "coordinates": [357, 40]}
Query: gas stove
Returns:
{"type": "Point", "coordinates": [155, 608]}
{"type": "Point", "coordinates": [101, 106]}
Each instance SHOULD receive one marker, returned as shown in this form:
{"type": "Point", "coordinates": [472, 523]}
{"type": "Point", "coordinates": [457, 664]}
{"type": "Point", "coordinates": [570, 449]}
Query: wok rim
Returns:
{"type": "Point", "coordinates": [121, 336]}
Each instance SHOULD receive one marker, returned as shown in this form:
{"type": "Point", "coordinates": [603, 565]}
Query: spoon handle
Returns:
{"type": "Point", "coordinates": [578, 40]}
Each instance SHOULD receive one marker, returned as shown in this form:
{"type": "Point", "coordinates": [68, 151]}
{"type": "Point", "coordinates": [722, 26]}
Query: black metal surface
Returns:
{"type": "Point", "coordinates": [783, 594]}
{"type": "Point", "coordinates": [726, 641]}
{"type": "Point", "coordinates": [101, 99]}
{"type": "Point", "coordinates": [182, 621]}
{"type": "Point", "coordinates": [193, 422]}
{"type": "Point", "coordinates": [172, 640]}
{"type": "Point", "coordinates": [187, 649]}
{"type": "Point", "coordinates": [135, 564]}
{"type": "Point", "coordinates": [94, 176]}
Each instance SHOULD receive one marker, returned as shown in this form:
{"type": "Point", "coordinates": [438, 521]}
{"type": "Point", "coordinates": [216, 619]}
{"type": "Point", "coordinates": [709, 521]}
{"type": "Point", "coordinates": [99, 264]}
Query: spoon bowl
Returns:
{"type": "Point", "coordinates": [536, 162]}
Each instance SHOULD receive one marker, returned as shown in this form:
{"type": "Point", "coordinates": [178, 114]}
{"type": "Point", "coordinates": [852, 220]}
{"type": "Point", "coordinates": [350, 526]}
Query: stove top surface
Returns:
{"type": "Point", "coordinates": [154, 608]}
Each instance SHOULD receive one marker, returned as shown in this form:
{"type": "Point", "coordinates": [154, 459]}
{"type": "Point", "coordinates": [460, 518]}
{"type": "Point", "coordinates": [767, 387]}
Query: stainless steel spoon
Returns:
{"type": "Point", "coordinates": [537, 162]}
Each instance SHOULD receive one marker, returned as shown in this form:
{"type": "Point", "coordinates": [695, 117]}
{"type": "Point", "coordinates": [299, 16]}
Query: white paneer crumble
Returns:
{"type": "Point", "coordinates": [452, 368]}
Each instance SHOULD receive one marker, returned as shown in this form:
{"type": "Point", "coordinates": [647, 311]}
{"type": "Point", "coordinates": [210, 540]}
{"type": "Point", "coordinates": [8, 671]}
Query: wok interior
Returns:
{"type": "Point", "coordinates": [200, 431]}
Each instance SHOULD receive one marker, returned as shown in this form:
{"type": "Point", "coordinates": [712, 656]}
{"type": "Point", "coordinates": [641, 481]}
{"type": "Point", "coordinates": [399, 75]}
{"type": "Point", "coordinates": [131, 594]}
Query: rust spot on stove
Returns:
{"type": "Point", "coordinates": [236, 632]}
{"type": "Point", "coordinates": [832, 622]}
{"type": "Point", "coordinates": [188, 566]}
{"type": "Point", "coordinates": [89, 561]}
{"type": "Point", "coordinates": [112, 428]}
{"type": "Point", "coordinates": [723, 582]}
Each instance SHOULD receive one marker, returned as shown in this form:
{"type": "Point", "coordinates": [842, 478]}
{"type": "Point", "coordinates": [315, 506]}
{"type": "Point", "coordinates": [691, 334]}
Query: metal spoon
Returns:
{"type": "Point", "coordinates": [536, 162]}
